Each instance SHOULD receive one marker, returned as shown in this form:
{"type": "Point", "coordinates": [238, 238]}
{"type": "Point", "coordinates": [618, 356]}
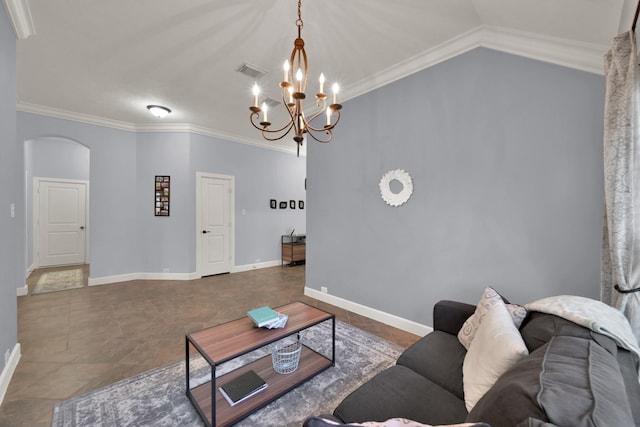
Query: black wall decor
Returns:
{"type": "Point", "coordinates": [162, 190]}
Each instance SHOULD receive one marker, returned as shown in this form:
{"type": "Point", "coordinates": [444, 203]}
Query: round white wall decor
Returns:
{"type": "Point", "coordinates": [396, 199]}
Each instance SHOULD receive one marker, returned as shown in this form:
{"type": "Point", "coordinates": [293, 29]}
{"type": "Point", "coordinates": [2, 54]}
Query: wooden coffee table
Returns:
{"type": "Point", "coordinates": [230, 340]}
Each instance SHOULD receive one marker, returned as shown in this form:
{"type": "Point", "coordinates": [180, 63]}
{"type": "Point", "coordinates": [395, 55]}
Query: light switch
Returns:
{"type": "Point", "coordinates": [13, 210]}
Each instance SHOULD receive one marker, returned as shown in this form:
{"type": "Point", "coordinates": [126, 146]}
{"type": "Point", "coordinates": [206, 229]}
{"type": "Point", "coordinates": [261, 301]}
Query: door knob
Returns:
{"type": "Point", "coordinates": [82, 227]}
{"type": "Point", "coordinates": [204, 231]}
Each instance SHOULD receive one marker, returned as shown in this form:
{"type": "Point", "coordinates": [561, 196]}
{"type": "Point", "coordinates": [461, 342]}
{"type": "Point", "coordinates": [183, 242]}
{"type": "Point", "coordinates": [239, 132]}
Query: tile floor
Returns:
{"type": "Point", "coordinates": [77, 340]}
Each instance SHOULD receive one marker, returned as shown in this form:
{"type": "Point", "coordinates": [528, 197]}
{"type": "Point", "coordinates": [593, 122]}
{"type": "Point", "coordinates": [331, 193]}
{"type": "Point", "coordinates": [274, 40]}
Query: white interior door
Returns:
{"type": "Point", "coordinates": [61, 211]}
{"type": "Point", "coordinates": [215, 224]}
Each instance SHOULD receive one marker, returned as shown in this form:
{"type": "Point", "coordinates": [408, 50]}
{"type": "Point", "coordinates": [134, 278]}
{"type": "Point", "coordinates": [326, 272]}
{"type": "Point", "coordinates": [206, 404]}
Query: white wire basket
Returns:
{"type": "Point", "coordinates": [285, 355]}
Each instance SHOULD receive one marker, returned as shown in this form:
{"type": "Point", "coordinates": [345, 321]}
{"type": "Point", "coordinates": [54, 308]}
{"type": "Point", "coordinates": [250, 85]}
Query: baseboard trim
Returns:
{"type": "Point", "coordinates": [372, 313]}
{"type": "Point", "coordinates": [9, 369]}
{"type": "Point", "coordinates": [24, 290]}
{"type": "Point", "coordinates": [105, 280]}
{"type": "Point", "coordinates": [256, 266]}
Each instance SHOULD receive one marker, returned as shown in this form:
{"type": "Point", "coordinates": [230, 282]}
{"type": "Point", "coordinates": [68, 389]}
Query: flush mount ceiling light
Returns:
{"type": "Point", "coordinates": [293, 93]}
{"type": "Point", "coordinates": [158, 110]}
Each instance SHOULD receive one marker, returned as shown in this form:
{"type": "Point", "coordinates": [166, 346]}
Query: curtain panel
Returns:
{"type": "Point", "coordinates": [621, 225]}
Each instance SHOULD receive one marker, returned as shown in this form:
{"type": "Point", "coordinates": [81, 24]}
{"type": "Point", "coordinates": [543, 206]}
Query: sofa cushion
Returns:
{"type": "Point", "coordinates": [568, 381]}
{"type": "Point", "coordinates": [438, 357]}
{"type": "Point", "coordinates": [489, 298]}
{"type": "Point", "coordinates": [496, 347]}
{"type": "Point", "coordinates": [539, 328]}
{"type": "Point", "coordinates": [399, 392]}
{"type": "Point", "coordinates": [329, 421]}
{"type": "Point", "coordinates": [627, 363]}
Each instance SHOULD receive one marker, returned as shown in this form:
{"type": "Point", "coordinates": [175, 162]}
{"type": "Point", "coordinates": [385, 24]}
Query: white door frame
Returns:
{"type": "Point", "coordinates": [232, 216]}
{"type": "Point", "coordinates": [35, 229]}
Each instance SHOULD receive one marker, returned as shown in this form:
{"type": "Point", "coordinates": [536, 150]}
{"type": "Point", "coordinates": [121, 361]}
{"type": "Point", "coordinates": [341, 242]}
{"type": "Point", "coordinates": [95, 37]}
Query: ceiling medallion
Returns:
{"type": "Point", "coordinates": [391, 198]}
{"type": "Point", "coordinates": [293, 93]}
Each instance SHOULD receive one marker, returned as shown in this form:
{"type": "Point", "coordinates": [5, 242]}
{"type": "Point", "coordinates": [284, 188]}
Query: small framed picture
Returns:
{"type": "Point", "coordinates": [292, 204]}
{"type": "Point", "coordinates": [300, 204]}
{"type": "Point", "coordinates": [273, 203]}
{"type": "Point", "coordinates": [283, 205]}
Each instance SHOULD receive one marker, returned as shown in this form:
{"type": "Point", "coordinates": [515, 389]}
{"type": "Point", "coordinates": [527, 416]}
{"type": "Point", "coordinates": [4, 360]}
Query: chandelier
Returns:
{"type": "Point", "coordinates": [293, 89]}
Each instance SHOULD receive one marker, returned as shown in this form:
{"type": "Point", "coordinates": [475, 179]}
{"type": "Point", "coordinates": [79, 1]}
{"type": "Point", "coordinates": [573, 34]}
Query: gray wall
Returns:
{"type": "Point", "coordinates": [51, 158]}
{"type": "Point", "coordinates": [165, 241]}
{"type": "Point", "coordinates": [505, 156]}
{"type": "Point", "coordinates": [261, 175]}
{"type": "Point", "coordinates": [10, 278]}
{"type": "Point", "coordinates": [125, 236]}
{"type": "Point", "coordinates": [113, 218]}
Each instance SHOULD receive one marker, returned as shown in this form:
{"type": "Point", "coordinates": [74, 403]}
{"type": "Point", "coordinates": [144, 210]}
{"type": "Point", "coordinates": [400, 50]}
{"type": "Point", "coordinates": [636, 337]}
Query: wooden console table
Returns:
{"type": "Point", "coordinates": [294, 248]}
{"type": "Point", "coordinates": [233, 339]}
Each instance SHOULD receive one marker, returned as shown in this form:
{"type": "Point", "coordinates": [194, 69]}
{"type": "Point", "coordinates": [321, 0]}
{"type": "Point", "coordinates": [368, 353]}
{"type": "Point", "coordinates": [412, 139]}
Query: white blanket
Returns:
{"type": "Point", "coordinates": [592, 314]}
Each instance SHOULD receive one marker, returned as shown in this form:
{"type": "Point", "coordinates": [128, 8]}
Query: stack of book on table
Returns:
{"type": "Point", "coordinates": [242, 387]}
{"type": "Point", "coordinates": [266, 317]}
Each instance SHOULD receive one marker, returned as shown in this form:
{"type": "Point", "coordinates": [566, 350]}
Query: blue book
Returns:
{"type": "Point", "coordinates": [262, 316]}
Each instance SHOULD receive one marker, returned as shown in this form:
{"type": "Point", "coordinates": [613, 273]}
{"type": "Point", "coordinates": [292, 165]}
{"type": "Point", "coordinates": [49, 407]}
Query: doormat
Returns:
{"type": "Point", "coordinates": [157, 397]}
{"type": "Point", "coordinates": [58, 281]}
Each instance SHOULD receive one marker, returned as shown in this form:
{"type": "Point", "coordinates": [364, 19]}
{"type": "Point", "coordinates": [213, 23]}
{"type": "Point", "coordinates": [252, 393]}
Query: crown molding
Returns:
{"type": "Point", "coordinates": [200, 130]}
{"type": "Point", "coordinates": [73, 116]}
{"type": "Point", "coordinates": [20, 17]}
{"type": "Point", "coordinates": [588, 57]}
{"type": "Point", "coordinates": [580, 56]}
{"type": "Point", "coordinates": [147, 127]}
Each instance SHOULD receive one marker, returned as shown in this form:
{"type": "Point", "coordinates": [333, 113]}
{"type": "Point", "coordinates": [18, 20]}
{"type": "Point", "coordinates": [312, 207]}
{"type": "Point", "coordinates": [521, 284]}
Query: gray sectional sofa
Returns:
{"type": "Point", "coordinates": [571, 377]}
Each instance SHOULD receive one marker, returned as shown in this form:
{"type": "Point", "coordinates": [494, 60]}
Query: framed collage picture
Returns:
{"type": "Point", "coordinates": [162, 192]}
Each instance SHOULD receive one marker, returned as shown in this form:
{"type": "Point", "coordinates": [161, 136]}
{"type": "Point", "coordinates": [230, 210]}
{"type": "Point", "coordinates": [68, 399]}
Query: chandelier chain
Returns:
{"type": "Point", "coordinates": [299, 22]}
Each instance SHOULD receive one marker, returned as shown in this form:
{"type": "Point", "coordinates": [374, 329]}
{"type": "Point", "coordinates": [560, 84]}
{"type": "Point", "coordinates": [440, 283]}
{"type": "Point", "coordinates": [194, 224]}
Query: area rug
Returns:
{"type": "Point", "coordinates": [58, 281]}
{"type": "Point", "coordinates": [157, 397]}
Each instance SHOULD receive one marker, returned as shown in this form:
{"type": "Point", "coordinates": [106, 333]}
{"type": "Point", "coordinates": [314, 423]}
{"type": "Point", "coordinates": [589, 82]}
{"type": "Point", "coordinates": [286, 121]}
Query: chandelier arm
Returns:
{"type": "Point", "coordinates": [276, 138]}
{"type": "Point", "coordinates": [327, 131]}
{"type": "Point", "coordinates": [312, 118]}
{"type": "Point", "coordinates": [325, 128]}
{"type": "Point", "coordinates": [263, 129]}
{"type": "Point", "coordinates": [286, 105]}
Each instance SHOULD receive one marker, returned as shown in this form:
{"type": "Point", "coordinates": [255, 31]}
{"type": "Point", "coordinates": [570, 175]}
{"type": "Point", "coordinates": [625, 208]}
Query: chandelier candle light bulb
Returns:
{"type": "Point", "coordinates": [264, 112]}
{"type": "Point", "coordinates": [299, 79]}
{"type": "Point", "coordinates": [286, 71]}
{"type": "Point", "coordinates": [336, 89]}
{"type": "Point", "coordinates": [256, 92]}
{"type": "Point", "coordinates": [321, 82]}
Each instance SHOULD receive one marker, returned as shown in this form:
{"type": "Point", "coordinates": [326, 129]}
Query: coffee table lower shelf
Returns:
{"type": "Point", "coordinates": [311, 363]}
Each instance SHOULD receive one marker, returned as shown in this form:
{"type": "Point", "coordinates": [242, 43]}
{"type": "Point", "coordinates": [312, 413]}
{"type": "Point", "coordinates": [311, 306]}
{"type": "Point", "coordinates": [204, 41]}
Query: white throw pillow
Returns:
{"type": "Point", "coordinates": [489, 298]}
{"type": "Point", "coordinates": [496, 347]}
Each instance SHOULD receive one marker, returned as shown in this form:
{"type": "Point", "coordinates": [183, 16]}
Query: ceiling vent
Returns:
{"type": "Point", "coordinates": [272, 102]}
{"type": "Point", "coordinates": [251, 71]}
